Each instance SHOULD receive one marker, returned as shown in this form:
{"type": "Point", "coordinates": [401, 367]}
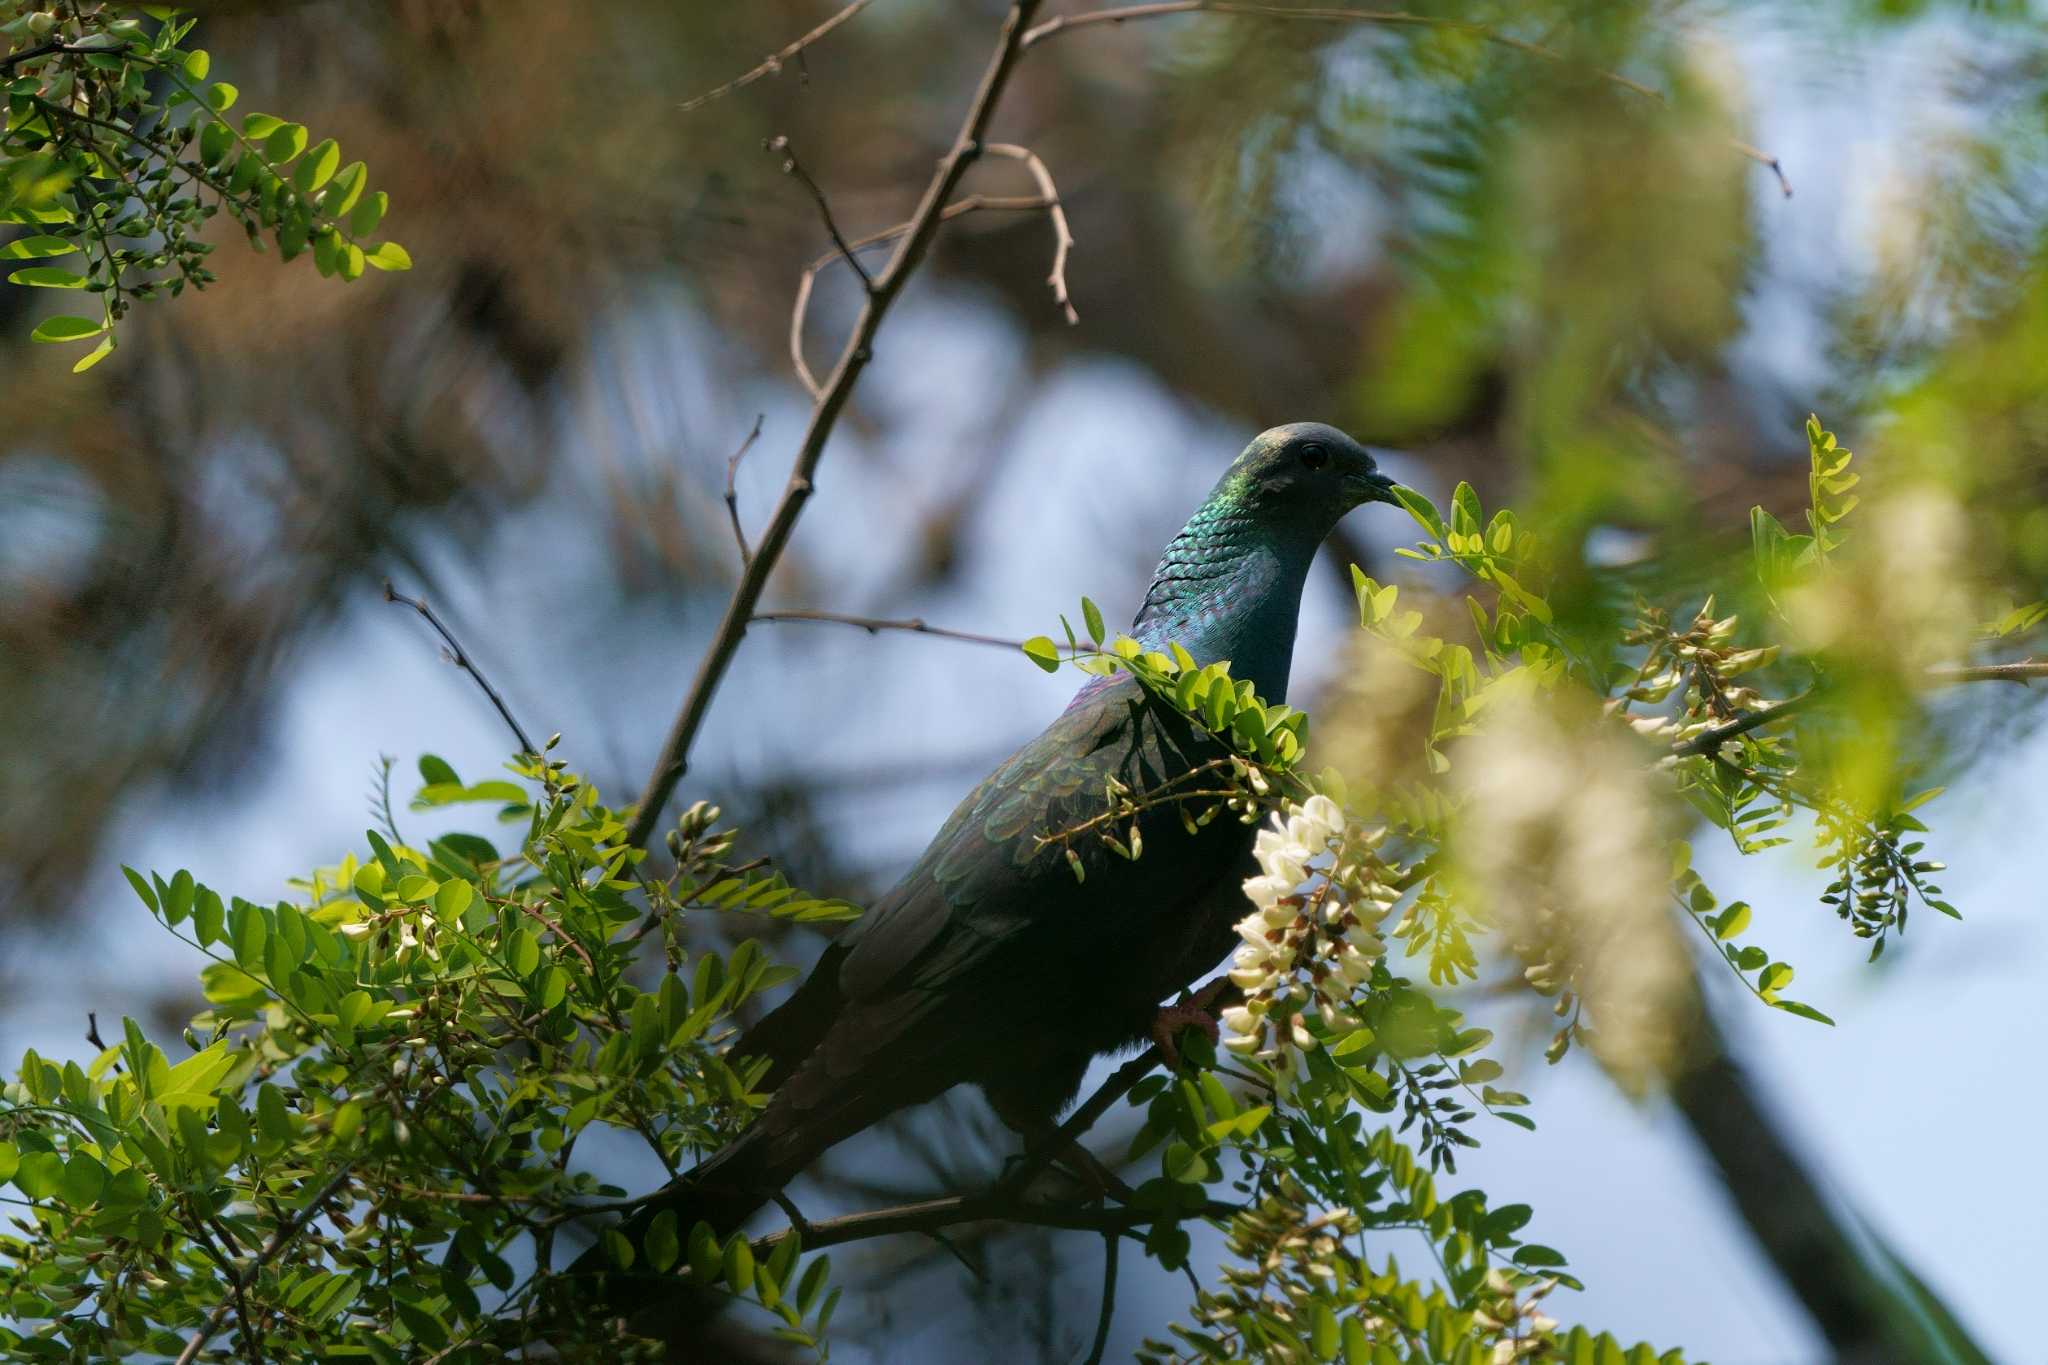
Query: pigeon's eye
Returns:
{"type": "Point", "coordinates": [1315, 455]}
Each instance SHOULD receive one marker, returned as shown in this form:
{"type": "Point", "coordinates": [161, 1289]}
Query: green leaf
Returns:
{"type": "Point", "coordinates": [257, 127]}
{"type": "Point", "coordinates": [95, 355]}
{"type": "Point", "coordinates": [451, 900]}
{"type": "Point", "coordinates": [523, 953]}
{"type": "Point", "coordinates": [1803, 1011]}
{"type": "Point", "coordinates": [83, 1179]}
{"type": "Point", "coordinates": [389, 256]}
{"type": "Point", "coordinates": [249, 934]}
{"type": "Point", "coordinates": [1042, 651]}
{"type": "Point", "coordinates": [221, 97]}
{"type": "Point", "coordinates": [363, 219]}
{"type": "Point", "coordinates": [739, 1264]}
{"type": "Point", "coordinates": [216, 140]}
{"type": "Point", "coordinates": [662, 1248]}
{"type": "Point", "coordinates": [141, 885]}
{"type": "Point", "coordinates": [40, 1175]}
{"type": "Point", "coordinates": [38, 245]}
{"type": "Point", "coordinates": [66, 329]}
{"type": "Point", "coordinates": [1731, 921]}
{"type": "Point", "coordinates": [318, 167]}
{"type": "Point", "coordinates": [285, 143]}
{"type": "Point", "coordinates": [47, 277]}
{"type": "Point", "coordinates": [1091, 615]}
{"type": "Point", "coordinates": [208, 917]}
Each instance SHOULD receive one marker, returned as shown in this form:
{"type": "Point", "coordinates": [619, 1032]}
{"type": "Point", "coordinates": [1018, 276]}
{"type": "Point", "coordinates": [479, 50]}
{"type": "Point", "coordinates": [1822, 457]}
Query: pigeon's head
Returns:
{"type": "Point", "coordinates": [1307, 471]}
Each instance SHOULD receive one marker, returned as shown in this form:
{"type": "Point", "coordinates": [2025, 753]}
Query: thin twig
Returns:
{"type": "Point", "coordinates": [461, 660]}
{"type": "Point", "coordinates": [732, 497]}
{"type": "Point", "coordinates": [874, 625]}
{"type": "Point", "coordinates": [772, 64]}
{"type": "Point", "coordinates": [1067, 23]}
{"type": "Point", "coordinates": [1110, 1245]}
{"type": "Point", "coordinates": [673, 761]}
{"type": "Point", "coordinates": [799, 312]}
{"type": "Point", "coordinates": [1062, 236]}
{"type": "Point", "coordinates": [791, 166]}
{"type": "Point", "coordinates": [285, 1232]}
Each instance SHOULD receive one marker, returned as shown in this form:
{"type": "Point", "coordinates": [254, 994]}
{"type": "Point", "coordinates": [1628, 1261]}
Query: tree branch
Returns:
{"type": "Point", "coordinates": [1062, 235]}
{"type": "Point", "coordinates": [930, 1215]}
{"type": "Point", "coordinates": [772, 64]}
{"type": "Point", "coordinates": [874, 625]}
{"type": "Point", "coordinates": [673, 760]}
{"type": "Point", "coordinates": [1063, 239]}
{"type": "Point", "coordinates": [732, 498]}
{"type": "Point", "coordinates": [1110, 1246]}
{"type": "Point", "coordinates": [461, 660]}
{"type": "Point", "coordinates": [791, 166]}
{"type": "Point", "coordinates": [2022, 671]}
{"type": "Point", "coordinates": [1067, 23]}
{"type": "Point", "coordinates": [286, 1230]}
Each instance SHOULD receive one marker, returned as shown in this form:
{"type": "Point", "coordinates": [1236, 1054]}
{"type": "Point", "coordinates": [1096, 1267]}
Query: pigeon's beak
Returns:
{"type": "Point", "coordinates": [1373, 487]}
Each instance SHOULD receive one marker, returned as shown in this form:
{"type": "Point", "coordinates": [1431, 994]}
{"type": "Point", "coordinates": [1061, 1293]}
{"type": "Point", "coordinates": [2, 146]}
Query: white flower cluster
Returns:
{"type": "Point", "coordinates": [1305, 949]}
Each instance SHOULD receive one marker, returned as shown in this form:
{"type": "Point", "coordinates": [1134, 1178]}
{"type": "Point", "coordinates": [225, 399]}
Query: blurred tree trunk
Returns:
{"type": "Point", "coordinates": [1865, 1299]}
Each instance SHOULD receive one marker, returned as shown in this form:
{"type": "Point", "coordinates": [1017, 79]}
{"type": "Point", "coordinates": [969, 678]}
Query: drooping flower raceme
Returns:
{"type": "Point", "coordinates": [1313, 933]}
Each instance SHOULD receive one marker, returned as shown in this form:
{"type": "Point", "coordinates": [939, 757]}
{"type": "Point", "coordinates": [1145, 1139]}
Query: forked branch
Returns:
{"type": "Point", "coordinates": [673, 760]}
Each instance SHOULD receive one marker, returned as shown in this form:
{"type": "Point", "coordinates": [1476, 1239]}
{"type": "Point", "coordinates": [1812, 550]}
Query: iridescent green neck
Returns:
{"type": "Point", "coordinates": [1229, 587]}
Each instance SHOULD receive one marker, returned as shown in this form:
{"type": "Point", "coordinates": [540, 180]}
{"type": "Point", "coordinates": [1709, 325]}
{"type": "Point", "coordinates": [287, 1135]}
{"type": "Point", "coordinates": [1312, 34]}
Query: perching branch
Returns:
{"type": "Point", "coordinates": [732, 497]}
{"type": "Point", "coordinates": [772, 64]}
{"type": "Point", "coordinates": [874, 625]}
{"type": "Point", "coordinates": [458, 657]}
{"type": "Point", "coordinates": [673, 760]}
{"type": "Point", "coordinates": [286, 1230]}
{"type": "Point", "coordinates": [1392, 18]}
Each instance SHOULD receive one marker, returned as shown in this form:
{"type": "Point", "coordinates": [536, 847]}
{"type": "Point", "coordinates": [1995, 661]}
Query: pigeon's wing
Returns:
{"type": "Point", "coordinates": [992, 901]}
{"type": "Point", "coordinates": [998, 869]}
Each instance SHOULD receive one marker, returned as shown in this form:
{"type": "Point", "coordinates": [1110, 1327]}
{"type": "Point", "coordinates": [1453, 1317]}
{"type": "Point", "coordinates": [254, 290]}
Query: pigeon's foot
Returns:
{"type": "Point", "coordinates": [1194, 1009]}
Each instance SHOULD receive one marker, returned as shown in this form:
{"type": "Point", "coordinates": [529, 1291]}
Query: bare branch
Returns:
{"type": "Point", "coordinates": [1062, 237]}
{"type": "Point", "coordinates": [1111, 1243]}
{"type": "Point", "coordinates": [772, 64]}
{"type": "Point", "coordinates": [732, 498]}
{"type": "Point", "coordinates": [874, 625]}
{"type": "Point", "coordinates": [1067, 23]}
{"type": "Point", "coordinates": [286, 1230]}
{"type": "Point", "coordinates": [673, 760]}
{"type": "Point", "coordinates": [791, 166]}
{"type": "Point", "coordinates": [799, 312]}
{"type": "Point", "coordinates": [461, 660]}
